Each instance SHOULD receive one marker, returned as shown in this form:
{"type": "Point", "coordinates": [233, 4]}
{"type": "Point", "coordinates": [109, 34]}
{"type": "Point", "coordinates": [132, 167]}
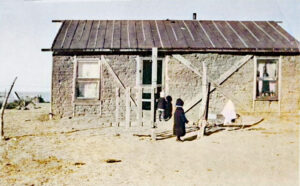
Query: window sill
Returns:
{"type": "Point", "coordinates": [267, 99]}
{"type": "Point", "coordinates": [89, 101]}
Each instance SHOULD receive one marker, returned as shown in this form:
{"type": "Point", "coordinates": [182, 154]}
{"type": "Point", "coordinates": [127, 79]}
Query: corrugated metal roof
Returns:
{"type": "Point", "coordinates": [131, 35]}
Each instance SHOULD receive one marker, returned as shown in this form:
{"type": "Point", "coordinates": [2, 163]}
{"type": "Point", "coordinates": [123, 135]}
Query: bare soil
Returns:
{"type": "Point", "coordinates": [84, 151]}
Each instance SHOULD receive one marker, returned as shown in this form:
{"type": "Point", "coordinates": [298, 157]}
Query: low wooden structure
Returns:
{"type": "Point", "coordinates": [116, 69]}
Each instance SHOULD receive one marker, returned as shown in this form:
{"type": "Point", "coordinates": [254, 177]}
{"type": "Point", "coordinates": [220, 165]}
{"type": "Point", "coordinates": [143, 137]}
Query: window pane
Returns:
{"type": "Point", "coordinates": [147, 72]}
{"type": "Point", "coordinates": [87, 90]}
{"type": "Point", "coordinates": [267, 83]}
{"type": "Point", "coordinates": [88, 70]}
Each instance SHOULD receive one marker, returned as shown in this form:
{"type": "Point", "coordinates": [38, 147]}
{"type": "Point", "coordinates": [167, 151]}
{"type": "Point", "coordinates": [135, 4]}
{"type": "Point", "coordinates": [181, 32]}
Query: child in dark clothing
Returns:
{"type": "Point", "coordinates": [179, 120]}
{"type": "Point", "coordinates": [161, 106]}
{"type": "Point", "coordinates": [169, 108]}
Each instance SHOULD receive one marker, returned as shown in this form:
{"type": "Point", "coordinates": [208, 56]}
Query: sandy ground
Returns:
{"type": "Point", "coordinates": [74, 152]}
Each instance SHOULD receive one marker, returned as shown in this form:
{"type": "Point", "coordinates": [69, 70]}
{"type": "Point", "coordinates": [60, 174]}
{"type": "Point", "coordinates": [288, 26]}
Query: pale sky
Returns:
{"type": "Point", "coordinates": [26, 27]}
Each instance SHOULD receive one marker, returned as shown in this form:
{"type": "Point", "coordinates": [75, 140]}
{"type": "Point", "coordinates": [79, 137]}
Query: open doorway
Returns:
{"type": "Point", "coordinates": [146, 77]}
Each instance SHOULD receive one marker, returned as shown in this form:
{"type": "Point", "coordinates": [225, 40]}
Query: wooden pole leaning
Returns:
{"type": "Point", "coordinates": [3, 109]}
{"type": "Point", "coordinates": [127, 116]}
{"type": "Point", "coordinates": [117, 113]}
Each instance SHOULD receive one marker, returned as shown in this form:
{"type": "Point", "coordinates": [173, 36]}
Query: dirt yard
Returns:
{"type": "Point", "coordinates": [82, 151]}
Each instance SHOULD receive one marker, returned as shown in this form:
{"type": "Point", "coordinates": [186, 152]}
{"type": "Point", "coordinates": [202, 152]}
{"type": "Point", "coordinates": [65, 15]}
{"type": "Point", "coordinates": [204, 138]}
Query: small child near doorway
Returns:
{"type": "Point", "coordinates": [161, 106]}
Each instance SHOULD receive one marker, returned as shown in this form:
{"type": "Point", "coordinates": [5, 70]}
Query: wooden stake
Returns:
{"type": "Point", "coordinates": [127, 119]}
{"type": "Point", "coordinates": [117, 114]}
{"type": "Point", "coordinates": [3, 108]}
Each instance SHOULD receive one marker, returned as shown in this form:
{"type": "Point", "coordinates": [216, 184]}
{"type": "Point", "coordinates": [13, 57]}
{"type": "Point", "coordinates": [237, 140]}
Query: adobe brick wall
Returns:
{"type": "Point", "coordinates": [182, 83]}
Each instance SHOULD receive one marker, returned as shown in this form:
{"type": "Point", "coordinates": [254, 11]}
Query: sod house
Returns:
{"type": "Point", "coordinates": [116, 69]}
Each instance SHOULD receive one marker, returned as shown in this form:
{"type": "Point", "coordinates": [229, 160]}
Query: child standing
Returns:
{"type": "Point", "coordinates": [161, 106]}
{"type": "Point", "coordinates": [179, 120]}
{"type": "Point", "coordinates": [169, 108]}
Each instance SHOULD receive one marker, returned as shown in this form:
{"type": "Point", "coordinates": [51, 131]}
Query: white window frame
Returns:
{"type": "Point", "coordinates": [86, 80]}
{"type": "Point", "coordinates": [278, 80]}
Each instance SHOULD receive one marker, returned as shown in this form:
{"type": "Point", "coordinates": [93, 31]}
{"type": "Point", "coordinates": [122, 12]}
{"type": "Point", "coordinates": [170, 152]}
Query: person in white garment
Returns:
{"type": "Point", "coordinates": [229, 112]}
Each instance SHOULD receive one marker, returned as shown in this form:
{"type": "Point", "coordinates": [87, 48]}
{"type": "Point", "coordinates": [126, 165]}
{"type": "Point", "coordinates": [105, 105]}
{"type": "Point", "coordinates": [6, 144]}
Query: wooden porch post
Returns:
{"type": "Point", "coordinates": [154, 83]}
{"type": "Point", "coordinates": [204, 105]}
{"type": "Point", "coordinates": [139, 94]}
{"type": "Point", "coordinates": [154, 86]}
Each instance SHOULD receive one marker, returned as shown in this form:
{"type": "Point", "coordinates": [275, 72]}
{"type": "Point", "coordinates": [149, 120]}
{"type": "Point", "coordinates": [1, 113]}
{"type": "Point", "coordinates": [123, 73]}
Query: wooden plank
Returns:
{"type": "Point", "coordinates": [108, 38]}
{"type": "Point", "coordinates": [237, 34]}
{"type": "Point", "coordinates": [187, 64]}
{"type": "Point", "coordinates": [293, 42]}
{"type": "Point", "coordinates": [117, 79]}
{"type": "Point", "coordinates": [139, 109]}
{"type": "Point", "coordinates": [254, 83]}
{"type": "Point", "coordinates": [214, 35]}
{"type": "Point", "coordinates": [231, 34]}
{"type": "Point", "coordinates": [204, 91]}
{"type": "Point", "coordinates": [163, 33]}
{"type": "Point", "coordinates": [189, 38]}
{"type": "Point", "coordinates": [181, 41]}
{"type": "Point", "coordinates": [264, 41]}
{"type": "Point", "coordinates": [127, 116]}
{"type": "Point", "coordinates": [279, 41]}
{"type": "Point", "coordinates": [204, 105]}
{"type": "Point", "coordinates": [124, 37]}
{"type": "Point", "coordinates": [149, 42]}
{"type": "Point", "coordinates": [244, 33]}
{"type": "Point", "coordinates": [221, 33]}
{"type": "Point", "coordinates": [201, 33]}
{"type": "Point", "coordinates": [78, 34]}
{"type": "Point", "coordinates": [117, 113]}
{"type": "Point", "coordinates": [93, 35]}
{"type": "Point", "coordinates": [132, 34]}
{"type": "Point", "coordinates": [58, 42]}
{"type": "Point", "coordinates": [281, 30]}
{"type": "Point", "coordinates": [154, 67]}
{"type": "Point", "coordinates": [2, 110]}
{"type": "Point", "coordinates": [140, 33]}
{"type": "Point", "coordinates": [70, 33]}
{"type": "Point", "coordinates": [198, 41]}
{"type": "Point", "coordinates": [155, 35]}
{"type": "Point", "coordinates": [233, 69]}
{"type": "Point", "coordinates": [85, 35]}
{"type": "Point", "coordinates": [138, 71]}
{"type": "Point", "coordinates": [153, 107]}
{"type": "Point", "coordinates": [116, 42]}
{"type": "Point", "coordinates": [74, 81]}
{"type": "Point", "coordinates": [279, 82]}
{"type": "Point", "coordinates": [101, 33]}
{"type": "Point", "coordinates": [167, 78]}
{"type": "Point", "coordinates": [171, 34]}
{"type": "Point", "coordinates": [216, 83]}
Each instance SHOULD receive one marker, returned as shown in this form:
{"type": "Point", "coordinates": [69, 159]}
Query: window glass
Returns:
{"type": "Point", "coordinates": [267, 79]}
{"type": "Point", "coordinates": [88, 70]}
{"type": "Point", "coordinates": [87, 90]}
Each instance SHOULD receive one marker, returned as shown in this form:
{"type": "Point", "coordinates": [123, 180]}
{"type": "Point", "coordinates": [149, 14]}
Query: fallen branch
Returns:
{"type": "Point", "coordinates": [3, 108]}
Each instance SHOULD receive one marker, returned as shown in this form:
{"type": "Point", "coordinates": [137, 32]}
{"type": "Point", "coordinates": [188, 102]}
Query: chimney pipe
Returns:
{"type": "Point", "coordinates": [194, 16]}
